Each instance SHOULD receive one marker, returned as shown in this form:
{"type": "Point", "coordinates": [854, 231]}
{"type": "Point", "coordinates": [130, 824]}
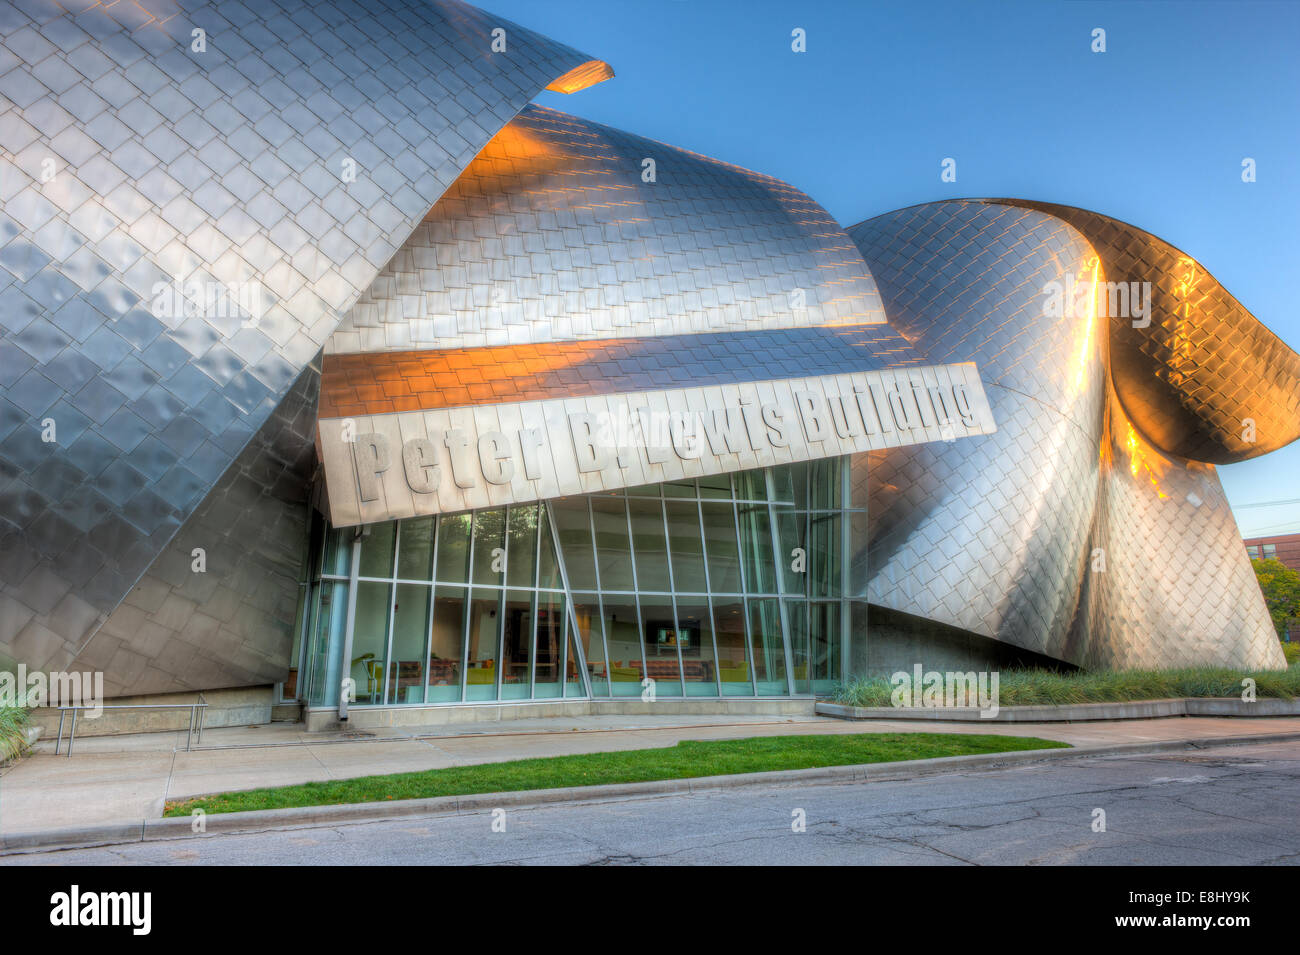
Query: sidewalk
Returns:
{"type": "Point", "coordinates": [127, 778]}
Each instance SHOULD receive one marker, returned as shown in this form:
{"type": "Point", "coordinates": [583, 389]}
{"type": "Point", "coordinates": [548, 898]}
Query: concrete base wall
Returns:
{"type": "Point", "coordinates": [1070, 712]}
{"type": "Point", "coordinates": [378, 717]}
{"type": "Point", "coordinates": [896, 641]}
{"type": "Point", "coordinates": [237, 706]}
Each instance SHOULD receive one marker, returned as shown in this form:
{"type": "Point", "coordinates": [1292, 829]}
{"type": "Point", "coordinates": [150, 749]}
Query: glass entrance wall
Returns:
{"type": "Point", "coordinates": [731, 585]}
{"type": "Point", "coordinates": [736, 581]}
{"type": "Point", "coordinates": [459, 608]}
{"type": "Point", "coordinates": [814, 542]}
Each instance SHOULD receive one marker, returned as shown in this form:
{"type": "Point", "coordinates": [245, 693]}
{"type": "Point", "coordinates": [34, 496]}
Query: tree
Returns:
{"type": "Point", "coordinates": [1281, 587]}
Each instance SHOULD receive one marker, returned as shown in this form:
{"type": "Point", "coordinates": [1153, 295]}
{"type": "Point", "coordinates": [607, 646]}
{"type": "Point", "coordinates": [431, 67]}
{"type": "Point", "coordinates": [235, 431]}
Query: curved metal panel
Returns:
{"type": "Point", "coordinates": [1168, 583]}
{"type": "Point", "coordinates": [566, 229]}
{"type": "Point", "coordinates": [987, 534]}
{"type": "Point", "coordinates": [274, 168]}
{"type": "Point", "coordinates": [1066, 532]}
{"type": "Point", "coordinates": [1200, 376]}
{"type": "Point", "coordinates": [231, 624]}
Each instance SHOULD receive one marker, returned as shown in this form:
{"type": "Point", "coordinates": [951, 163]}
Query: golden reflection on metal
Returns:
{"type": "Point", "coordinates": [1141, 461]}
{"type": "Point", "coordinates": [1092, 275]}
{"type": "Point", "coordinates": [1200, 377]}
{"type": "Point", "coordinates": [581, 77]}
{"type": "Point", "coordinates": [1180, 346]}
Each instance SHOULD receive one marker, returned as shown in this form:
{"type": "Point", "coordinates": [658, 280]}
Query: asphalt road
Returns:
{"type": "Point", "coordinates": [1227, 806]}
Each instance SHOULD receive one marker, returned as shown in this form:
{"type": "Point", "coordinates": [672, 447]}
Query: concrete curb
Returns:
{"type": "Point", "coordinates": [150, 830]}
{"type": "Point", "coordinates": [1071, 712]}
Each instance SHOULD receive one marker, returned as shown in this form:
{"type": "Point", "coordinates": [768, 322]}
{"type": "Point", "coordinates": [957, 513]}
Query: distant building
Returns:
{"type": "Point", "coordinates": [1285, 548]}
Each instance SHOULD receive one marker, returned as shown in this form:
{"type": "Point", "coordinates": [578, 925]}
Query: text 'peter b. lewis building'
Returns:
{"type": "Point", "coordinates": [333, 372]}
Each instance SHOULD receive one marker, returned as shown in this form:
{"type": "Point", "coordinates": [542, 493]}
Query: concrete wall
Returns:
{"type": "Point", "coordinates": [378, 717]}
{"type": "Point", "coordinates": [236, 706]}
{"type": "Point", "coordinates": [893, 641]}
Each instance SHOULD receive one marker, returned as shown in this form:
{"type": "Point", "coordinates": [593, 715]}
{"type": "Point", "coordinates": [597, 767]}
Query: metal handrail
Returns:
{"type": "Point", "coordinates": [197, 713]}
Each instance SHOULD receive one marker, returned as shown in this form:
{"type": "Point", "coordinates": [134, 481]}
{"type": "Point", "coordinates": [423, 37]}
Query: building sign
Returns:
{"type": "Point", "coordinates": [379, 467]}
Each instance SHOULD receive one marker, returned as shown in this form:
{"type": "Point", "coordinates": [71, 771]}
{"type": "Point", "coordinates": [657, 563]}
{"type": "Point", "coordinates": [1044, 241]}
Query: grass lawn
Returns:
{"type": "Point", "coordinates": [1026, 687]}
{"type": "Point", "coordinates": [688, 758]}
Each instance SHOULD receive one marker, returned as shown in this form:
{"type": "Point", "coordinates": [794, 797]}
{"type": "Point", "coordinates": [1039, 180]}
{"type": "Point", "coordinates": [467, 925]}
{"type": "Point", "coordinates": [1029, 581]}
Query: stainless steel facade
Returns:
{"type": "Point", "coordinates": [292, 151]}
{"type": "Point", "coordinates": [1071, 532]}
{"type": "Point", "coordinates": [553, 233]}
{"type": "Point", "coordinates": [423, 241]}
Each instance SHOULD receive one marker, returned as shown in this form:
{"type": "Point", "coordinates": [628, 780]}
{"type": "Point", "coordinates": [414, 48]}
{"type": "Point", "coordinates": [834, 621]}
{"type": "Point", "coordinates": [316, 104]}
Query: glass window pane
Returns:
{"type": "Point", "coordinates": [377, 550]}
{"type": "Point", "coordinates": [624, 637]}
{"type": "Point", "coordinates": [825, 483]}
{"type": "Point", "coordinates": [695, 639]}
{"type": "Point", "coordinates": [648, 545]}
{"type": "Point", "coordinates": [783, 483]}
{"type": "Point", "coordinates": [766, 648]}
{"type": "Point", "coordinates": [370, 640]}
{"type": "Point", "coordinates": [756, 544]}
{"type": "Point", "coordinates": [549, 652]}
{"type": "Point", "coordinates": [301, 610]}
{"type": "Point", "coordinates": [660, 628]}
{"type": "Point", "coordinates": [858, 528]}
{"type": "Point", "coordinates": [799, 484]}
{"type": "Point", "coordinates": [573, 685]}
{"type": "Point", "coordinates": [751, 485]}
{"type": "Point", "coordinates": [415, 549]}
{"type": "Point", "coordinates": [489, 546]}
{"type": "Point", "coordinates": [325, 652]}
{"type": "Point", "coordinates": [715, 486]}
{"type": "Point", "coordinates": [481, 668]}
{"type": "Point", "coordinates": [338, 552]}
{"type": "Point", "coordinates": [793, 550]}
{"type": "Point", "coordinates": [521, 543]}
{"type": "Point", "coordinates": [686, 545]}
{"type": "Point", "coordinates": [720, 545]}
{"type": "Point", "coordinates": [548, 568]}
{"type": "Point", "coordinates": [453, 548]}
{"type": "Point", "coordinates": [679, 488]}
{"type": "Point", "coordinates": [445, 646]}
{"type": "Point", "coordinates": [733, 667]}
{"type": "Point", "coordinates": [796, 616]}
{"type": "Point", "coordinates": [574, 527]}
{"type": "Point", "coordinates": [410, 633]}
{"type": "Point", "coordinates": [859, 478]}
{"type": "Point", "coordinates": [825, 646]}
{"type": "Point", "coordinates": [824, 555]}
{"type": "Point", "coordinates": [613, 552]}
{"type": "Point", "coordinates": [587, 610]}
{"type": "Point", "coordinates": [516, 646]}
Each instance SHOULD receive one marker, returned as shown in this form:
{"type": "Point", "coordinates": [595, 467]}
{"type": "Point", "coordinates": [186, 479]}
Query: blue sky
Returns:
{"type": "Point", "coordinates": [1152, 131]}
